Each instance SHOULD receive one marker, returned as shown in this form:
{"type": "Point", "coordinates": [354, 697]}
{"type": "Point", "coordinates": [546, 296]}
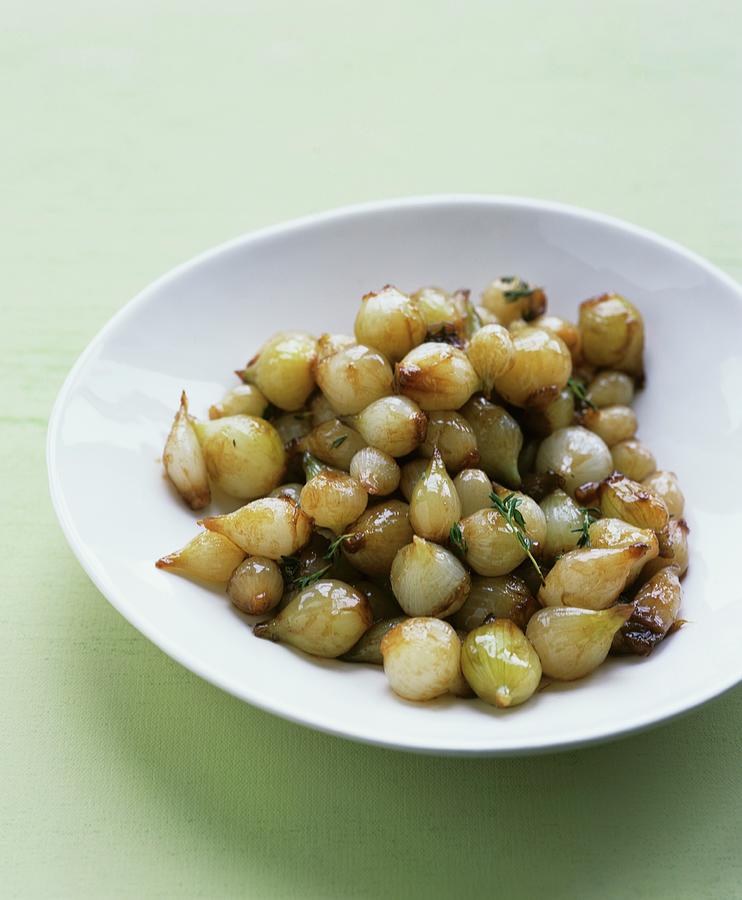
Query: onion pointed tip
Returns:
{"type": "Point", "coordinates": [263, 630]}
{"type": "Point", "coordinates": [503, 697]}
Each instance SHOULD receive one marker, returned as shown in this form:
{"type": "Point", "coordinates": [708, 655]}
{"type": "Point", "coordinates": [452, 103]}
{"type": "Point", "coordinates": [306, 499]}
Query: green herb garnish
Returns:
{"type": "Point", "coordinates": [579, 389]}
{"type": "Point", "coordinates": [521, 289]}
{"type": "Point", "coordinates": [306, 580]}
{"type": "Point", "coordinates": [338, 441]}
{"type": "Point", "coordinates": [508, 509]}
{"type": "Point", "coordinates": [589, 515]}
{"type": "Point", "coordinates": [334, 548]}
{"type": "Point", "coordinates": [456, 536]}
{"type": "Point", "coordinates": [291, 566]}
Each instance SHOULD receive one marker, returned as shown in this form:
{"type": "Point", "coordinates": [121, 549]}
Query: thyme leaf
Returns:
{"type": "Point", "coordinates": [456, 536]}
{"type": "Point", "coordinates": [579, 389]}
{"type": "Point", "coordinates": [306, 580]}
{"type": "Point", "coordinates": [589, 515]}
{"type": "Point", "coordinates": [334, 548]}
{"type": "Point", "coordinates": [516, 293]}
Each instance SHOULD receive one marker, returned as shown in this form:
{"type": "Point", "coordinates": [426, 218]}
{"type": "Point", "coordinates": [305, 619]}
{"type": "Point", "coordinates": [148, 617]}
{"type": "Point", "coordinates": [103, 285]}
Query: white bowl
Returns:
{"type": "Point", "coordinates": [195, 325]}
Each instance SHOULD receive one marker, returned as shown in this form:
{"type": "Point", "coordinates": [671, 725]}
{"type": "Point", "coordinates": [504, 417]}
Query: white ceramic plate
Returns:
{"type": "Point", "coordinates": [195, 325]}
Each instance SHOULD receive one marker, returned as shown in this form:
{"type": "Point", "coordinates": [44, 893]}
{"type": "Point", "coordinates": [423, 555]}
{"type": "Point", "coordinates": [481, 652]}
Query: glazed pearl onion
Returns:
{"type": "Point", "coordinates": [422, 658]}
{"type": "Point", "coordinates": [390, 322]}
{"type": "Point", "coordinates": [452, 434]}
{"type": "Point", "coordinates": [576, 454]}
{"type": "Point", "coordinates": [354, 377]}
{"type": "Point", "coordinates": [377, 472]}
{"type": "Point", "coordinates": [428, 580]}
{"type": "Point", "coordinates": [437, 376]}
{"type": "Point", "coordinates": [256, 586]}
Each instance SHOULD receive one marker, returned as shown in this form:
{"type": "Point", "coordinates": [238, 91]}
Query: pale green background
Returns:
{"type": "Point", "coordinates": [137, 134]}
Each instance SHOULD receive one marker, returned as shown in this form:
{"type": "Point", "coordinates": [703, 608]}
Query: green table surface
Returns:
{"type": "Point", "coordinates": [136, 135]}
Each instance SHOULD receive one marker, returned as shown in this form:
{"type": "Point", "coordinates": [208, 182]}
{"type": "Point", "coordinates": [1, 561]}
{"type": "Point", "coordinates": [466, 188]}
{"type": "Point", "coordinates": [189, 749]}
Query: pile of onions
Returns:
{"type": "Point", "coordinates": [455, 492]}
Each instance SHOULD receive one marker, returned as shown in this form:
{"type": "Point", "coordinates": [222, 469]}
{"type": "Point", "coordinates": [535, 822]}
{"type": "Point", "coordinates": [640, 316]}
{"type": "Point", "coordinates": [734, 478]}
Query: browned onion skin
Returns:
{"type": "Point", "coordinates": [656, 608]}
{"type": "Point", "coordinates": [622, 498]}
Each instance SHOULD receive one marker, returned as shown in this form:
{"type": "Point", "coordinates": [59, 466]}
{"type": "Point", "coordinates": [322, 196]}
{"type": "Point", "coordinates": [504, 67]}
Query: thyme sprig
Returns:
{"type": "Point", "coordinates": [518, 289]}
{"type": "Point", "coordinates": [306, 580]}
{"type": "Point", "coordinates": [589, 515]}
{"type": "Point", "coordinates": [456, 537]}
{"type": "Point", "coordinates": [334, 548]}
{"type": "Point", "coordinates": [522, 290]}
{"type": "Point", "coordinates": [508, 509]}
{"type": "Point", "coordinates": [291, 566]}
{"type": "Point", "coordinates": [579, 389]}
